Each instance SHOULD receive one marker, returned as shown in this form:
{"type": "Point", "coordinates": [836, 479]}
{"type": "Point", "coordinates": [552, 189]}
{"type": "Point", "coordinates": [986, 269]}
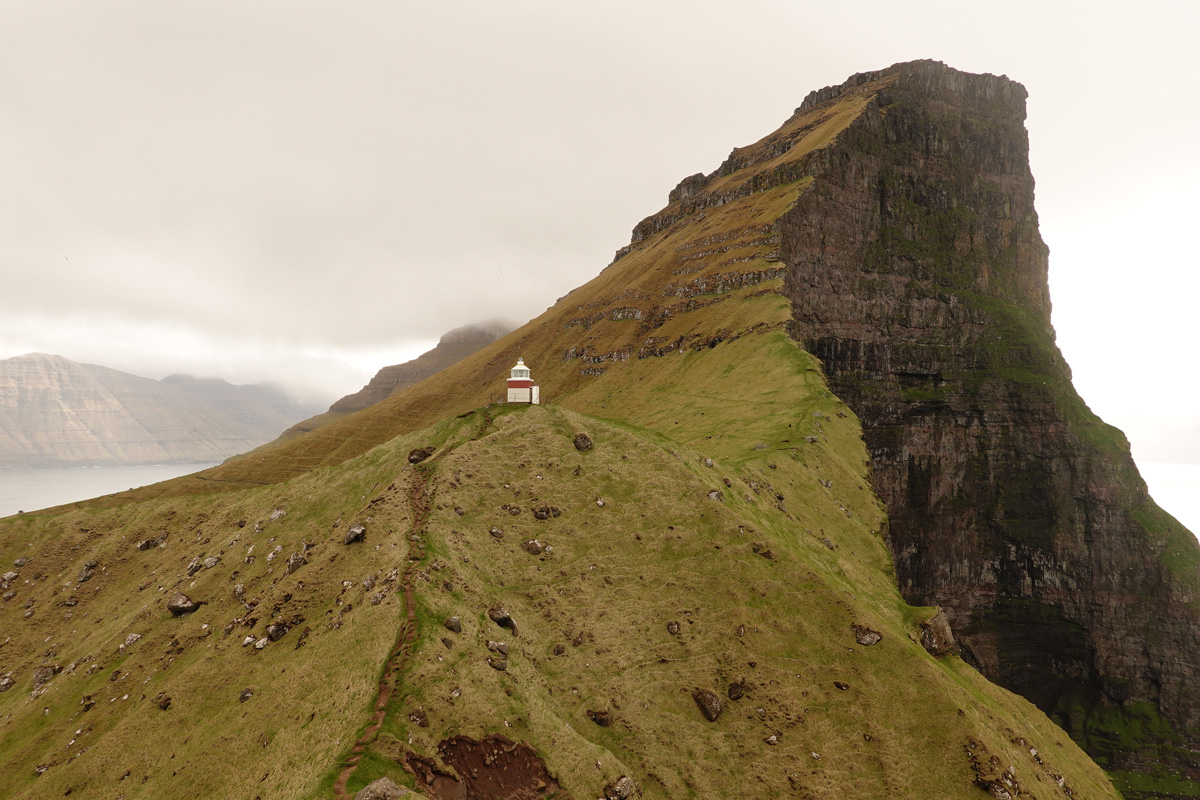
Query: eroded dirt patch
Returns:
{"type": "Point", "coordinates": [495, 768]}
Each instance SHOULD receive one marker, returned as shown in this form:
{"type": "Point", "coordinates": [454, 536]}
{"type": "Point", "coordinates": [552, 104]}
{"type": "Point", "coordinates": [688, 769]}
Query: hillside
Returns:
{"type": "Point", "coordinates": [721, 540]}
{"type": "Point", "coordinates": [55, 412]}
{"type": "Point", "coordinates": [453, 347]}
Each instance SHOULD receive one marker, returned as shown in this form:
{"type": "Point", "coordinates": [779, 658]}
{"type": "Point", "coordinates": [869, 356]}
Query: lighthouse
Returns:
{"type": "Point", "coordinates": [521, 388]}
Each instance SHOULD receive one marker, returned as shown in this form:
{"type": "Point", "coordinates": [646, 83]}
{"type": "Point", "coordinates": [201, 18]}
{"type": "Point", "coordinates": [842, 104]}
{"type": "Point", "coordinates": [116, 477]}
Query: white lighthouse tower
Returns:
{"type": "Point", "coordinates": [521, 388]}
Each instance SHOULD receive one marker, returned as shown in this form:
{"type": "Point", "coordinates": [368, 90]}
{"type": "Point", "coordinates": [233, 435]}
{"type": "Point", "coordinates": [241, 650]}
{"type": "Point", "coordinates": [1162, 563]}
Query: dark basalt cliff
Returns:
{"type": "Point", "coordinates": [918, 276]}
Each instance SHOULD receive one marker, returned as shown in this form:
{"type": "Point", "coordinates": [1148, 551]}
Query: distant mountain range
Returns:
{"type": "Point", "coordinates": [56, 412]}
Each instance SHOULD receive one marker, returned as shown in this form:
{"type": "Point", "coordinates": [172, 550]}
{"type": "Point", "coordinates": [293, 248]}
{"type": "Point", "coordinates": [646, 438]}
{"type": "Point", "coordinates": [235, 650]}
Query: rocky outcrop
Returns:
{"type": "Point", "coordinates": [451, 348]}
{"type": "Point", "coordinates": [55, 412]}
{"type": "Point", "coordinates": [918, 276]}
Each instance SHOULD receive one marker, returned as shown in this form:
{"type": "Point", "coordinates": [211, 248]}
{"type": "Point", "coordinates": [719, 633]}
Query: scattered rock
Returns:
{"type": "Point", "coordinates": [418, 716]}
{"type": "Point", "coordinates": [498, 647]}
{"type": "Point", "coordinates": [448, 642]}
{"type": "Point", "coordinates": [420, 454]}
{"type": "Point", "coordinates": [453, 624]}
{"type": "Point", "coordinates": [239, 592]}
{"type": "Point", "coordinates": [708, 462]}
{"type": "Point", "coordinates": [500, 616]}
{"type": "Point", "coordinates": [163, 701]}
{"type": "Point", "coordinates": [382, 789]}
{"type": "Point", "coordinates": [377, 598]}
{"type": "Point", "coordinates": [85, 574]}
{"type": "Point", "coordinates": [583, 442]}
{"type": "Point", "coordinates": [295, 561]}
{"type": "Point", "coordinates": [20, 562]}
{"type": "Point", "coordinates": [277, 630]}
{"type": "Point", "coordinates": [193, 567]}
{"type": "Point", "coordinates": [865, 636]}
{"type": "Point", "coordinates": [772, 739]}
{"type": "Point", "coordinates": [708, 703]}
{"type": "Point", "coordinates": [620, 789]}
{"type": "Point", "coordinates": [601, 718]}
{"type": "Point", "coordinates": [497, 663]}
{"type": "Point", "coordinates": [760, 446]}
{"type": "Point", "coordinates": [545, 512]}
{"type": "Point", "coordinates": [533, 547]}
{"type": "Point", "coordinates": [497, 533]}
{"type": "Point", "coordinates": [211, 562]}
{"type": "Point", "coordinates": [560, 649]}
{"type": "Point", "coordinates": [716, 494]}
{"type": "Point", "coordinates": [43, 674]}
{"type": "Point", "coordinates": [736, 690]}
{"type": "Point", "coordinates": [673, 628]}
{"type": "Point", "coordinates": [841, 685]}
{"type": "Point", "coordinates": [9, 576]}
{"type": "Point", "coordinates": [357, 533]}
{"type": "Point", "coordinates": [245, 695]}
{"type": "Point", "coordinates": [6, 683]}
{"type": "Point", "coordinates": [181, 604]}
{"type": "Point", "coordinates": [261, 643]}
{"type": "Point", "coordinates": [368, 583]}
{"type": "Point", "coordinates": [600, 502]}
{"type": "Point", "coordinates": [150, 544]}
{"type": "Point", "coordinates": [131, 638]}
{"type": "Point", "coordinates": [811, 439]}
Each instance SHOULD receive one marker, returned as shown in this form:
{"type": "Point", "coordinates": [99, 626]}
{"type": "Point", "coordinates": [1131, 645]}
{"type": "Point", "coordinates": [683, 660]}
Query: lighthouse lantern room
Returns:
{"type": "Point", "coordinates": [521, 388]}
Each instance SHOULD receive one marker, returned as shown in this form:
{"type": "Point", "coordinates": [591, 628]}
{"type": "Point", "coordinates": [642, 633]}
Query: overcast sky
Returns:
{"type": "Point", "coordinates": [307, 191]}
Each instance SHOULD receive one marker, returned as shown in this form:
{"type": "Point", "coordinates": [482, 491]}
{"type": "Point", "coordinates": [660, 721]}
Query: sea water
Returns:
{"type": "Point", "coordinates": [32, 489]}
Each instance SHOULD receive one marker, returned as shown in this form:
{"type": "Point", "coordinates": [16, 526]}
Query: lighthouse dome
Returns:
{"type": "Point", "coordinates": [520, 370]}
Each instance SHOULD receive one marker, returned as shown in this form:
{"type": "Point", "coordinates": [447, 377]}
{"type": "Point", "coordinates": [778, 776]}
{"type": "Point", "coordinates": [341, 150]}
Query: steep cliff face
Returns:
{"type": "Point", "coordinates": [917, 274]}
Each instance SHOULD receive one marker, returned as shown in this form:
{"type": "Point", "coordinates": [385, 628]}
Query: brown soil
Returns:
{"type": "Point", "coordinates": [493, 769]}
{"type": "Point", "coordinates": [394, 666]}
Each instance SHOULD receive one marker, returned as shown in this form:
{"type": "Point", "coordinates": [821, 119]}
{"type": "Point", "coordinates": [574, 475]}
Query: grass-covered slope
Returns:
{"type": "Point", "coordinates": [764, 563]}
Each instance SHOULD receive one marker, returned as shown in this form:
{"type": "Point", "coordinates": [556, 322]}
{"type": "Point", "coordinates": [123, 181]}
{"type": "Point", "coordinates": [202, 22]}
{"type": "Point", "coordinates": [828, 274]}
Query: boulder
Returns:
{"type": "Point", "coordinates": [44, 673]}
{"type": "Point", "coordinates": [211, 562]}
{"type": "Point", "coordinates": [20, 562]}
{"type": "Point", "coordinates": [6, 683]}
{"type": "Point", "coordinates": [708, 703]}
{"type": "Point", "coordinates": [245, 695]}
{"type": "Point", "coordinates": [500, 616]}
{"type": "Point", "coordinates": [277, 630]}
{"type": "Point", "coordinates": [533, 547]}
{"type": "Point", "coordinates": [583, 442]}
{"type": "Point", "coordinates": [601, 718]}
{"type": "Point", "coordinates": [865, 636]}
{"type": "Point", "coordinates": [181, 604]}
{"type": "Point", "coordinates": [620, 789]}
{"type": "Point", "coordinates": [295, 561]}
{"type": "Point", "coordinates": [357, 533]}
{"type": "Point", "coordinates": [936, 636]}
{"type": "Point", "coordinates": [453, 624]}
{"type": "Point", "coordinates": [382, 789]}
{"type": "Point", "coordinates": [498, 647]}
{"type": "Point", "coordinates": [85, 574]}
